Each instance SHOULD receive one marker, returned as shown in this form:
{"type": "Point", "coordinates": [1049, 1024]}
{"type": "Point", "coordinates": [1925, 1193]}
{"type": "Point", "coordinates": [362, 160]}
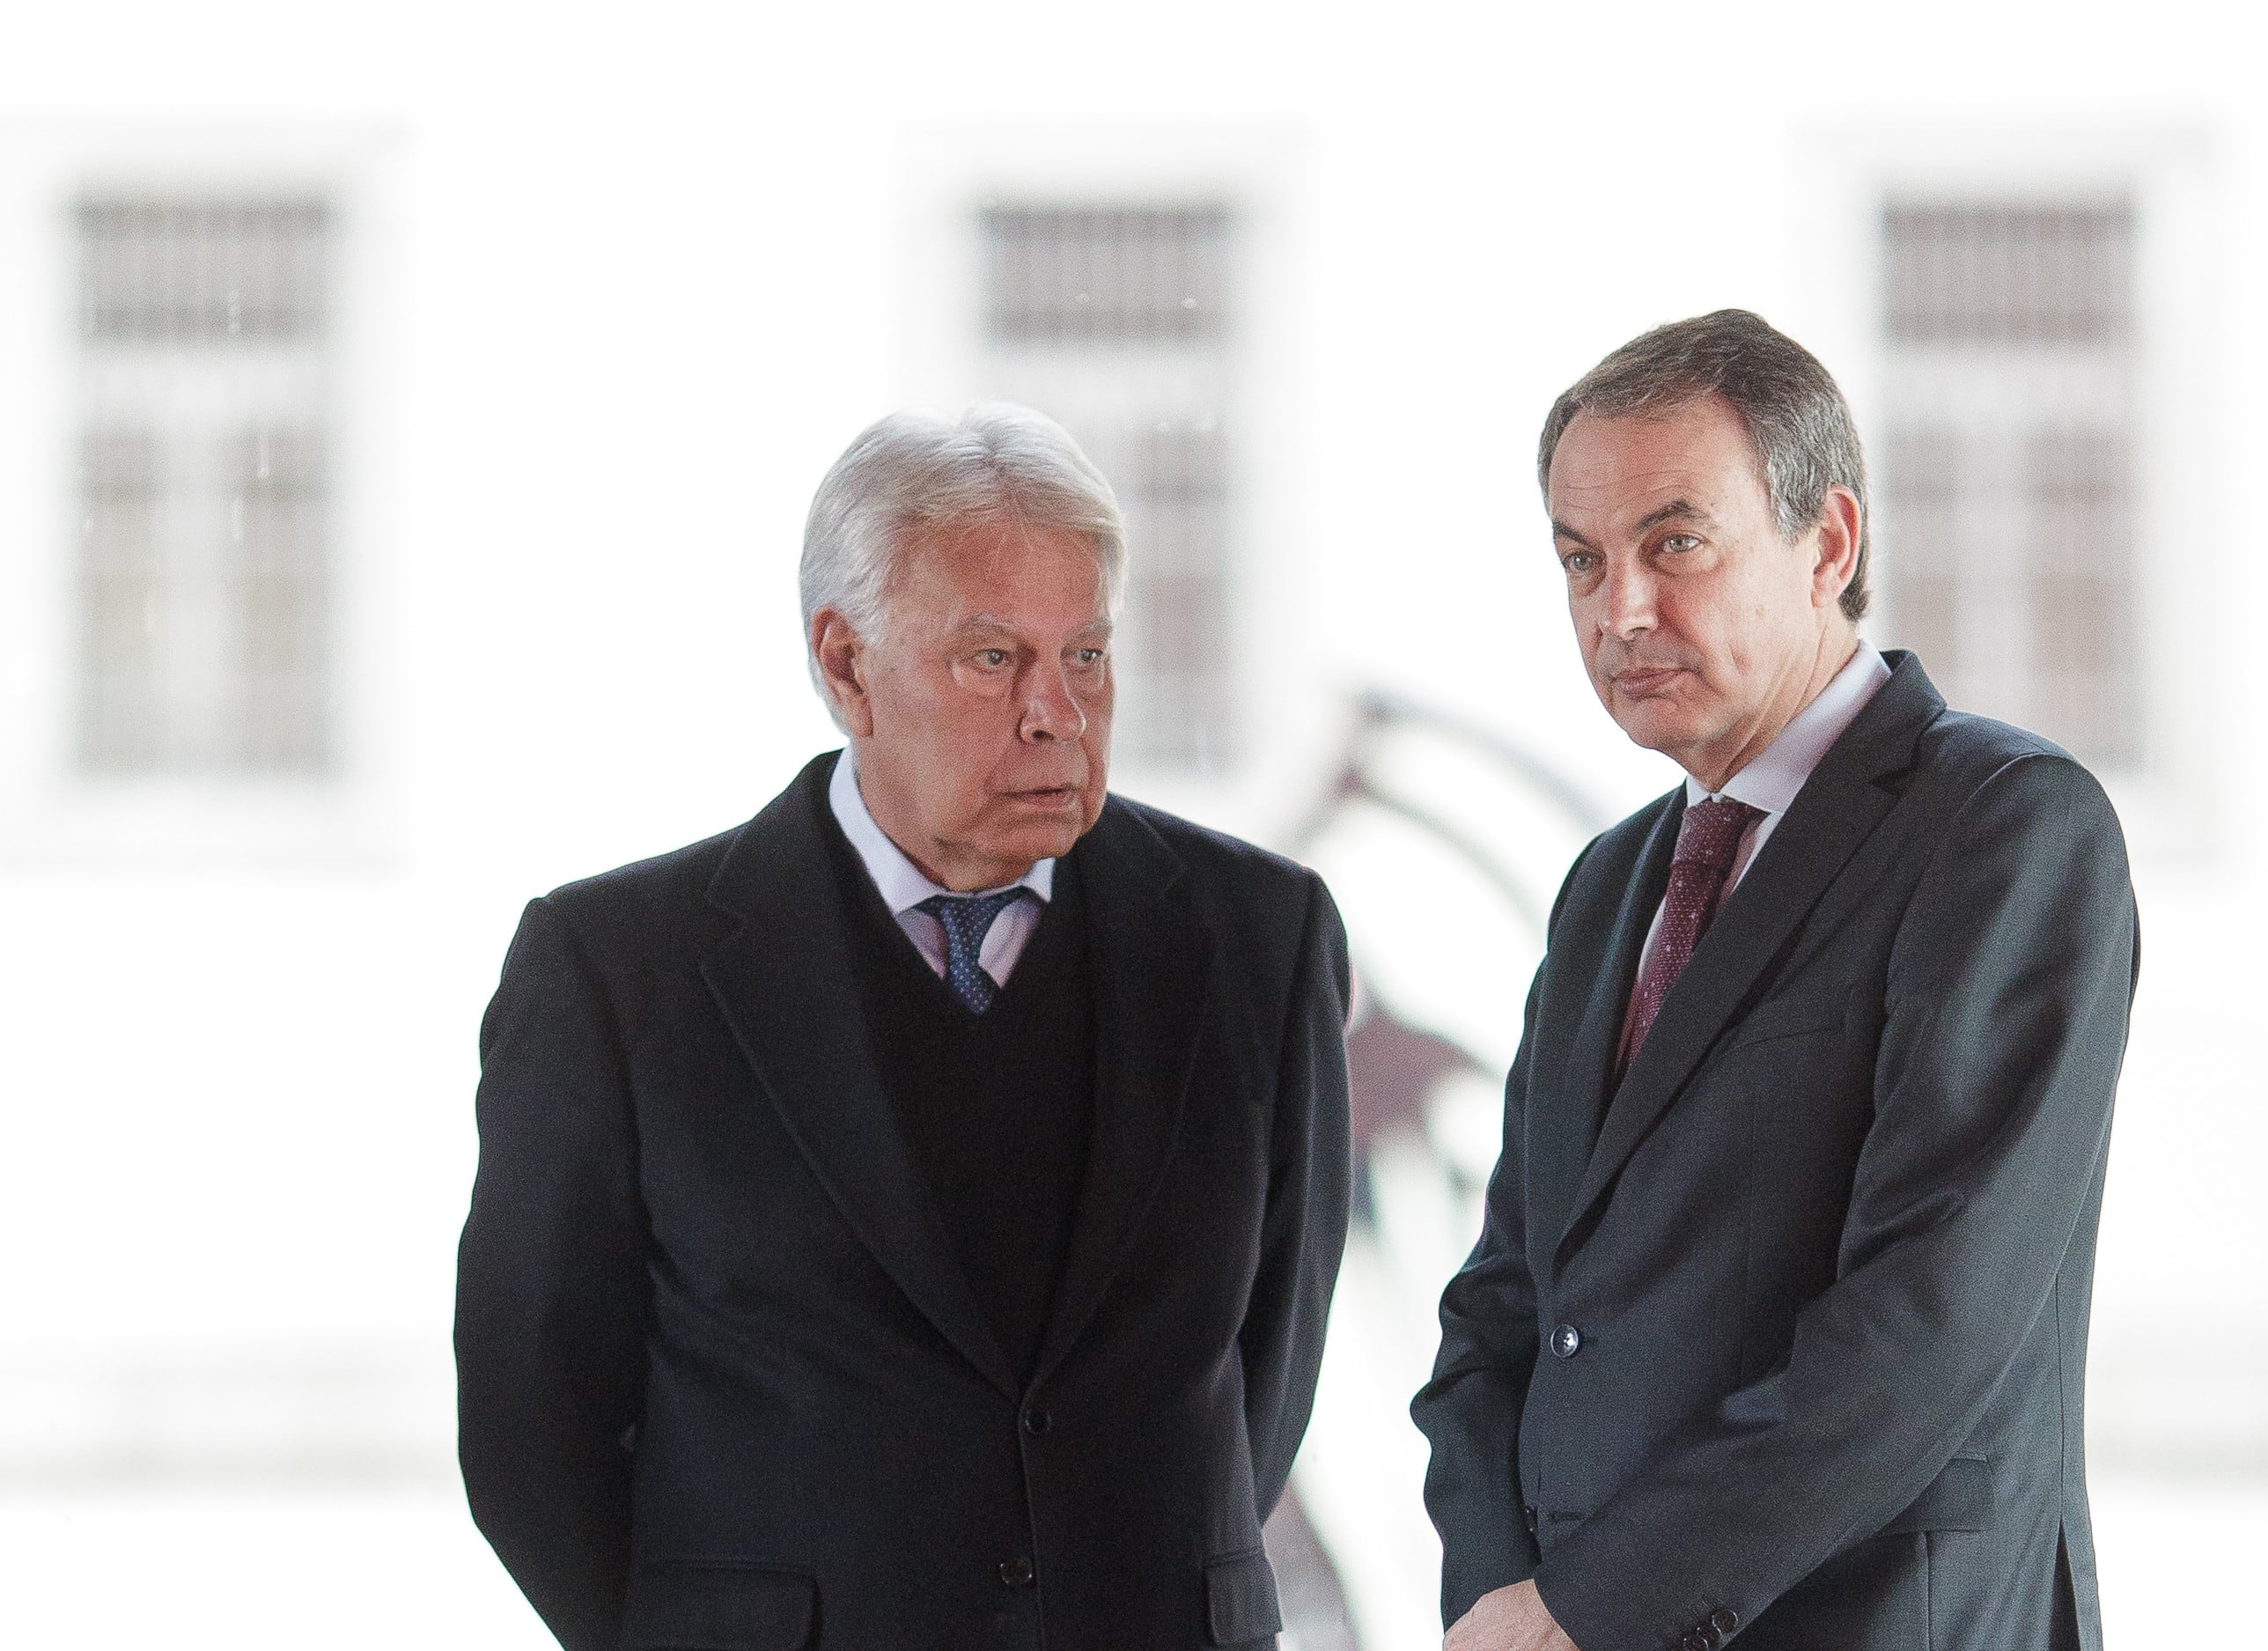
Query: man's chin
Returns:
{"type": "Point", "coordinates": [1656, 723]}
{"type": "Point", "coordinates": [1040, 834]}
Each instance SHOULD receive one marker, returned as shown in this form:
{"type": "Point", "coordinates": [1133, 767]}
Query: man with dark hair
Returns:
{"type": "Point", "coordinates": [907, 1220]}
{"type": "Point", "coordinates": [1778, 1321]}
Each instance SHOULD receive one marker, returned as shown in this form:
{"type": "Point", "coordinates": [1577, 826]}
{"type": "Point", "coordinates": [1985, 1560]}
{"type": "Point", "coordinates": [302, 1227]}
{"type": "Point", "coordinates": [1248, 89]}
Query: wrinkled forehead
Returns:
{"type": "Point", "coordinates": [1000, 568]}
{"type": "Point", "coordinates": [1613, 472]}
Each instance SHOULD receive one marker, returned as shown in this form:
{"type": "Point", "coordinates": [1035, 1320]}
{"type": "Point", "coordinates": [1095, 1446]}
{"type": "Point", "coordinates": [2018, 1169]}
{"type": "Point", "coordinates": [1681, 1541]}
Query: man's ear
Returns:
{"type": "Point", "coordinates": [1834, 562]}
{"type": "Point", "coordinates": [841, 659]}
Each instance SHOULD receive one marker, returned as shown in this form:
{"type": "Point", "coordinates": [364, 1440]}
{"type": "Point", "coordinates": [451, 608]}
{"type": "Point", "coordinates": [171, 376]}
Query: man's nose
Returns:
{"type": "Point", "coordinates": [1626, 602]}
{"type": "Point", "coordinates": [1051, 710]}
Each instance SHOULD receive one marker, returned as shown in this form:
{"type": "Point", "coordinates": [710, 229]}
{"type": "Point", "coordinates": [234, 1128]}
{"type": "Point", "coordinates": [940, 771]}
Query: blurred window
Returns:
{"type": "Point", "coordinates": [1112, 275]}
{"type": "Point", "coordinates": [203, 590]}
{"type": "Point", "coordinates": [1116, 319]}
{"type": "Point", "coordinates": [2007, 477]}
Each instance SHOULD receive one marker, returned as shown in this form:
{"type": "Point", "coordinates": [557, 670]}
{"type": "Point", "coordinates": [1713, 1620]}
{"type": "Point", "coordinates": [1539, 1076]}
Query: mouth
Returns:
{"type": "Point", "coordinates": [1047, 798]}
{"type": "Point", "coordinates": [1640, 682]}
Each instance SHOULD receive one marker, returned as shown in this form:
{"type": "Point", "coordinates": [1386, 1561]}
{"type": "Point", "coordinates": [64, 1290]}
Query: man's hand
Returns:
{"type": "Point", "coordinates": [1508, 1619]}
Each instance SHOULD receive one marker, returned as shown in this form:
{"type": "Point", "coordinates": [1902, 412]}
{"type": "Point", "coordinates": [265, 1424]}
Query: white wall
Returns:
{"type": "Point", "coordinates": [640, 278]}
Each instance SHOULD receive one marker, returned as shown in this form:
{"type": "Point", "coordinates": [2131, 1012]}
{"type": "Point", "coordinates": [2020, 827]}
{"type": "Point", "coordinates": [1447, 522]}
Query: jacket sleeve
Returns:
{"type": "Point", "coordinates": [2004, 1025]}
{"type": "Point", "coordinates": [550, 1291]}
{"type": "Point", "coordinates": [1470, 1411]}
{"type": "Point", "coordinates": [1304, 1226]}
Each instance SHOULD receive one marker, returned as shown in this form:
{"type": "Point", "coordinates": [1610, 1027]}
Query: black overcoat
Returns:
{"type": "Point", "coordinates": [1782, 1341]}
{"type": "Point", "coordinates": [721, 1383]}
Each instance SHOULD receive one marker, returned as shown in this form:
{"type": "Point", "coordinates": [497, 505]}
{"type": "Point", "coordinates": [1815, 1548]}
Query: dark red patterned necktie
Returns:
{"type": "Point", "coordinates": [1708, 839]}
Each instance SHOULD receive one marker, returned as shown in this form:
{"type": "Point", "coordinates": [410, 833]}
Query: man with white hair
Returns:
{"type": "Point", "coordinates": [907, 1220]}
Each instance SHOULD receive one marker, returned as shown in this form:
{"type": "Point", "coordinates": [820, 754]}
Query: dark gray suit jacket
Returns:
{"type": "Point", "coordinates": [1826, 1252]}
{"type": "Point", "coordinates": [722, 1383]}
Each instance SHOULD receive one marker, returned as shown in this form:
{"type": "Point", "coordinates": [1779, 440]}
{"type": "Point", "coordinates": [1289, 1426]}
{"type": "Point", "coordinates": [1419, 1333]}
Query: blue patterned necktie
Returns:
{"type": "Point", "coordinates": [967, 919]}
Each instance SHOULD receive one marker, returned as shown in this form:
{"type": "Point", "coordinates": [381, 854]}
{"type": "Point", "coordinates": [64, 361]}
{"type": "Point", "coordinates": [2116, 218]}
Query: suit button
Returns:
{"type": "Point", "coordinates": [1709, 1637]}
{"type": "Point", "coordinates": [1528, 1510]}
{"type": "Point", "coordinates": [1037, 1421]}
{"type": "Point", "coordinates": [1693, 1642]}
{"type": "Point", "coordinates": [1016, 1572]}
{"type": "Point", "coordinates": [1566, 1341]}
{"type": "Point", "coordinates": [1724, 1619]}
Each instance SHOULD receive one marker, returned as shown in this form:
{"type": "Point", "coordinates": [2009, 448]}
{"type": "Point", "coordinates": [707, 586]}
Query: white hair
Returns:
{"type": "Point", "coordinates": [918, 472]}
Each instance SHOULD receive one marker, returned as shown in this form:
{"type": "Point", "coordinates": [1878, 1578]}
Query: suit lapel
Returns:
{"type": "Point", "coordinates": [783, 982]}
{"type": "Point", "coordinates": [1840, 805]}
{"type": "Point", "coordinates": [1606, 954]}
{"type": "Point", "coordinates": [1149, 962]}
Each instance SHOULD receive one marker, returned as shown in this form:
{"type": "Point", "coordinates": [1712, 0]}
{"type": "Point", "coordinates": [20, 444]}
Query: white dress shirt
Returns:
{"type": "Point", "coordinates": [903, 886]}
{"type": "Point", "coordinates": [1773, 777]}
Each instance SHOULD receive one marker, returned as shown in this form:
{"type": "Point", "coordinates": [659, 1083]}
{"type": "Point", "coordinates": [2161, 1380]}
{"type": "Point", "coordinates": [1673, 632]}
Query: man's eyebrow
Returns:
{"type": "Point", "coordinates": [1676, 510]}
{"type": "Point", "coordinates": [994, 623]}
{"type": "Point", "coordinates": [1671, 512]}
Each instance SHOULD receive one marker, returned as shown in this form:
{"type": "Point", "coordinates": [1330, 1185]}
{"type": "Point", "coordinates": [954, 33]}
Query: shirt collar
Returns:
{"type": "Point", "coordinates": [1771, 780]}
{"type": "Point", "coordinates": [901, 882]}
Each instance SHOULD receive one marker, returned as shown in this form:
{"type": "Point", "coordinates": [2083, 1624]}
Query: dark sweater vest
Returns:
{"type": "Point", "coordinates": [996, 1107]}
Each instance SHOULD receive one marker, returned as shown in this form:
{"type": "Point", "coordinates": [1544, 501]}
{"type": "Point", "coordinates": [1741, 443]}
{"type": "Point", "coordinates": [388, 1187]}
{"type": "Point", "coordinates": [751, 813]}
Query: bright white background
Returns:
{"type": "Point", "coordinates": [624, 283]}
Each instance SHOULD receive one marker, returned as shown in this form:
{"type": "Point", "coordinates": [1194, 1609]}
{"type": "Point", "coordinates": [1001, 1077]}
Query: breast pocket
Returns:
{"type": "Point", "coordinates": [1803, 1014]}
{"type": "Point", "coordinates": [718, 1605]}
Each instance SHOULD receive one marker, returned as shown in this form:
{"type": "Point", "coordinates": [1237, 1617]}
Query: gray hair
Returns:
{"type": "Point", "coordinates": [917, 472]}
{"type": "Point", "coordinates": [1796, 417]}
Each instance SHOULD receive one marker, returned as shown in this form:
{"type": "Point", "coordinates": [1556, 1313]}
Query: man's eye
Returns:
{"type": "Point", "coordinates": [992, 659]}
{"type": "Point", "coordinates": [1680, 542]}
{"type": "Point", "coordinates": [1578, 561]}
{"type": "Point", "coordinates": [1089, 656]}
